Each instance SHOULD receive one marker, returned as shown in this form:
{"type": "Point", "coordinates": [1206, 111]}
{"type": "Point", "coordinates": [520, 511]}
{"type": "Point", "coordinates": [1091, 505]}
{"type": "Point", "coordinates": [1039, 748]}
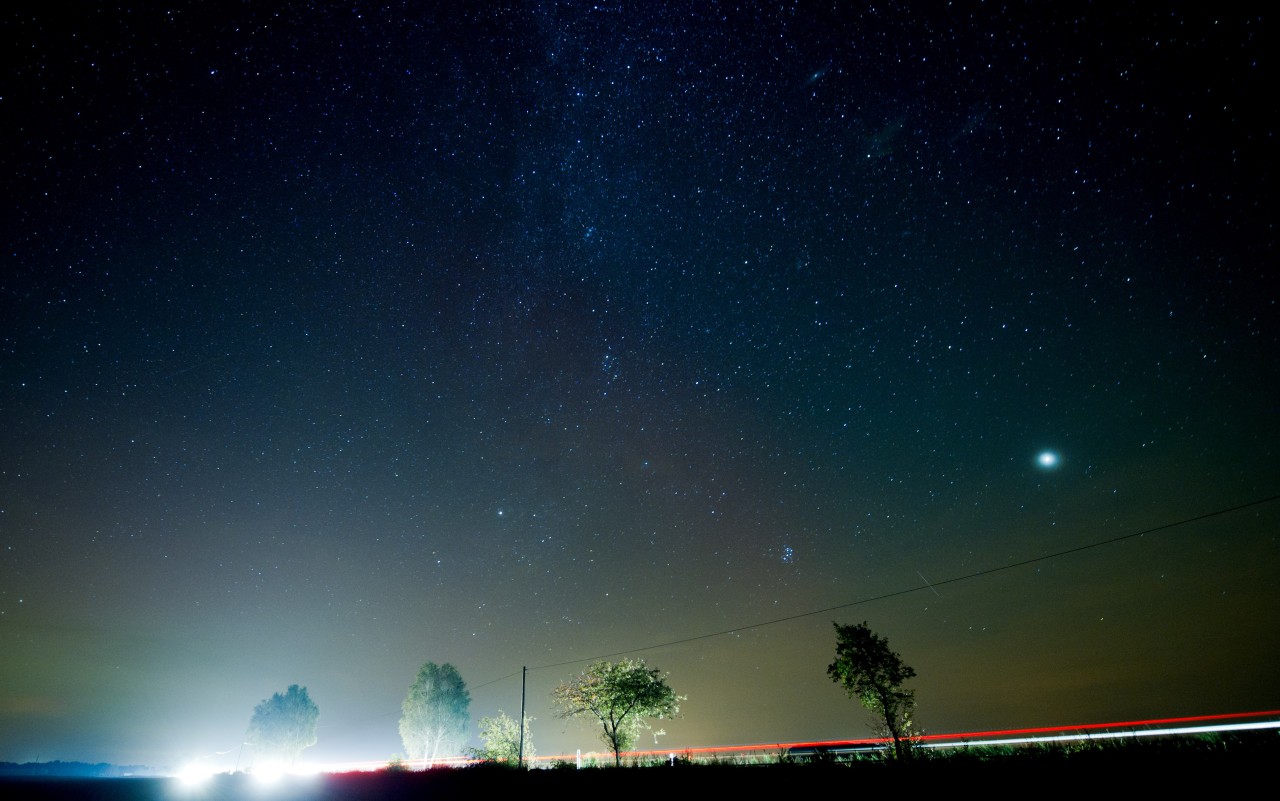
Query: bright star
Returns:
{"type": "Point", "coordinates": [1047, 459]}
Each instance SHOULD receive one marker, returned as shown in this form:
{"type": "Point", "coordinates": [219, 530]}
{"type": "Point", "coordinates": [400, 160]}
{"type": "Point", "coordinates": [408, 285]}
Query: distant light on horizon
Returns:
{"type": "Point", "coordinates": [194, 775]}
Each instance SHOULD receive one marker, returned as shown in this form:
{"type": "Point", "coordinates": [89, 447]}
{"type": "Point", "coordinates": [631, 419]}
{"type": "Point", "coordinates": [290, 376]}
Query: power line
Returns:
{"type": "Point", "coordinates": [926, 586]}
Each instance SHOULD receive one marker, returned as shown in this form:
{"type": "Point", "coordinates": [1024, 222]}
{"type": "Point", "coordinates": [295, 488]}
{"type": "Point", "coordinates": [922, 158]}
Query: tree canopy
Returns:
{"type": "Point", "coordinates": [621, 696]}
{"type": "Point", "coordinates": [502, 740]}
{"type": "Point", "coordinates": [436, 713]}
{"type": "Point", "coordinates": [283, 725]}
{"type": "Point", "coordinates": [873, 673]}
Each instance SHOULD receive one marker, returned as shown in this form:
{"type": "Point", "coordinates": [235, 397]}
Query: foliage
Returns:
{"type": "Point", "coordinates": [435, 714]}
{"type": "Point", "coordinates": [621, 696]}
{"type": "Point", "coordinates": [283, 725]}
{"type": "Point", "coordinates": [397, 764]}
{"type": "Point", "coordinates": [873, 674]}
{"type": "Point", "coordinates": [501, 740]}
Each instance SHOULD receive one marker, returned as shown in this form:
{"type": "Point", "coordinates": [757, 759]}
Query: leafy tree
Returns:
{"type": "Point", "coordinates": [435, 714]}
{"type": "Point", "coordinates": [283, 725]}
{"type": "Point", "coordinates": [501, 740]}
{"type": "Point", "coordinates": [873, 674]}
{"type": "Point", "coordinates": [620, 695]}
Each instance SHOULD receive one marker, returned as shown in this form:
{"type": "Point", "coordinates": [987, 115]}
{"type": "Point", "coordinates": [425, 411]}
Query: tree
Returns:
{"type": "Point", "coordinates": [435, 714]}
{"type": "Point", "coordinates": [620, 695]}
{"type": "Point", "coordinates": [283, 725]}
{"type": "Point", "coordinates": [501, 740]}
{"type": "Point", "coordinates": [873, 674]}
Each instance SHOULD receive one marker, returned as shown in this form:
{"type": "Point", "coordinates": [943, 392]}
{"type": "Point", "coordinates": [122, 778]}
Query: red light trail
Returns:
{"type": "Point", "coordinates": [1117, 729]}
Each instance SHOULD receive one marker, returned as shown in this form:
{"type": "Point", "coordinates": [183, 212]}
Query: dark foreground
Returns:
{"type": "Point", "coordinates": [1174, 767]}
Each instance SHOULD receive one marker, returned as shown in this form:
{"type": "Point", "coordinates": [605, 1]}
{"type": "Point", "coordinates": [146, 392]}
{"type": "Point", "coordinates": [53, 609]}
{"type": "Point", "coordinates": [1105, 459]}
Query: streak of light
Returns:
{"type": "Point", "coordinates": [1155, 727]}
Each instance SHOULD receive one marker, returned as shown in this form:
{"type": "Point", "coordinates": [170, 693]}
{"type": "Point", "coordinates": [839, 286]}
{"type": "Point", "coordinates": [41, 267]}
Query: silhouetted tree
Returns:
{"type": "Point", "coordinates": [873, 674]}
{"type": "Point", "coordinates": [620, 696]}
{"type": "Point", "coordinates": [435, 715]}
{"type": "Point", "coordinates": [283, 725]}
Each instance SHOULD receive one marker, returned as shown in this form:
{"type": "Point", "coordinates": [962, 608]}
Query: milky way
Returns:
{"type": "Point", "coordinates": [343, 338]}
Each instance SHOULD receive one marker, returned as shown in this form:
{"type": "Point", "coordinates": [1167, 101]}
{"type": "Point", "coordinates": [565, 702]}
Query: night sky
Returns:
{"type": "Point", "coordinates": [344, 337]}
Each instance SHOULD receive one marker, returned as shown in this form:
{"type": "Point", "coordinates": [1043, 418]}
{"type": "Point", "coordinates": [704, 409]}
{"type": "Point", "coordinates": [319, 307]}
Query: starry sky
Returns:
{"type": "Point", "coordinates": [340, 337]}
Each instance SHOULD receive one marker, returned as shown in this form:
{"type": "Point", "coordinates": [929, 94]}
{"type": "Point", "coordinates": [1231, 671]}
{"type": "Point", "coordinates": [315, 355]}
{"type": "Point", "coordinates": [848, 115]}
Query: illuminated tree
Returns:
{"type": "Point", "coordinates": [435, 715]}
{"type": "Point", "coordinates": [501, 740]}
{"type": "Point", "coordinates": [283, 725]}
{"type": "Point", "coordinates": [873, 674]}
{"type": "Point", "coordinates": [620, 696]}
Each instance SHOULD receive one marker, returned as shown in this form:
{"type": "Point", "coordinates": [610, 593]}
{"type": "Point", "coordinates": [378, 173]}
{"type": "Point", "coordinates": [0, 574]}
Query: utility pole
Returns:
{"type": "Point", "coordinates": [524, 670]}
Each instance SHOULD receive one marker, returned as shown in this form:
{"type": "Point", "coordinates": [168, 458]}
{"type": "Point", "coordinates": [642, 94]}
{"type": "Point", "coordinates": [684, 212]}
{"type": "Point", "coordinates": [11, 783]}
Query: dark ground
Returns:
{"type": "Point", "coordinates": [1177, 767]}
